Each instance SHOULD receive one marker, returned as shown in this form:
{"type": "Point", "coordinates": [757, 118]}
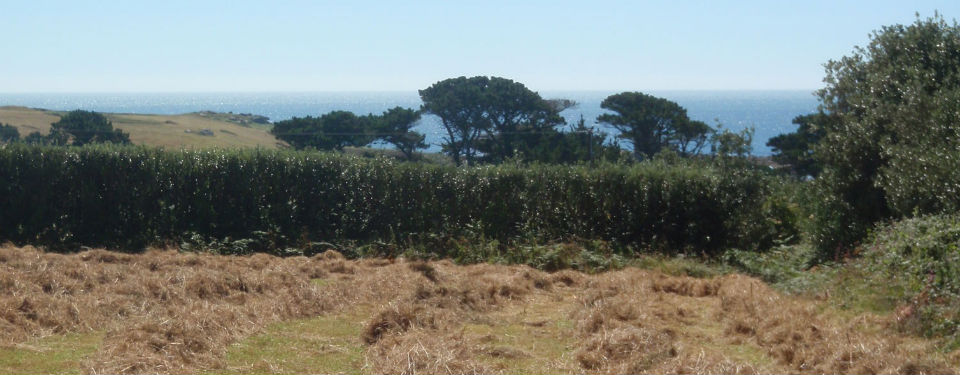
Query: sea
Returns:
{"type": "Point", "coordinates": [769, 113]}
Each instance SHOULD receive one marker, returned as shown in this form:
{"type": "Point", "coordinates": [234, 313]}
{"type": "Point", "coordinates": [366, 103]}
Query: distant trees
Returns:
{"type": "Point", "coordinates": [519, 119]}
{"type": "Point", "coordinates": [9, 133]}
{"type": "Point", "coordinates": [35, 138]}
{"type": "Point", "coordinates": [459, 103]}
{"type": "Point", "coordinates": [490, 117]}
{"type": "Point", "coordinates": [76, 128]}
{"type": "Point", "coordinates": [651, 124]}
{"type": "Point", "coordinates": [338, 129]}
{"type": "Point", "coordinates": [494, 119]}
{"type": "Point", "coordinates": [82, 127]}
{"type": "Point", "coordinates": [394, 127]}
{"type": "Point", "coordinates": [690, 137]}
{"type": "Point", "coordinates": [331, 131]}
{"type": "Point", "coordinates": [578, 143]}
{"type": "Point", "coordinates": [796, 150]}
{"type": "Point", "coordinates": [725, 143]}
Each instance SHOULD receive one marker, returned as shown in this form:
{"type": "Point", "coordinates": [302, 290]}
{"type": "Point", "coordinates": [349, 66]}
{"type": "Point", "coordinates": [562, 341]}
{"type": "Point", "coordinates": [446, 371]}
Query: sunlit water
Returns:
{"type": "Point", "coordinates": [768, 112]}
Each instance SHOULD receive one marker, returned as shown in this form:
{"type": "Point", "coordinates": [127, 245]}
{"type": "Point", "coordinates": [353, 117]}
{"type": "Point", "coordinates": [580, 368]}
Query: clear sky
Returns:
{"type": "Point", "coordinates": [184, 46]}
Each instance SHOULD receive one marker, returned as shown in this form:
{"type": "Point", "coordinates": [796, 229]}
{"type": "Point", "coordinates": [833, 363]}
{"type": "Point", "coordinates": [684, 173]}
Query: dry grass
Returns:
{"type": "Point", "coordinates": [162, 311]}
{"type": "Point", "coordinates": [28, 120]}
{"type": "Point", "coordinates": [154, 130]}
{"type": "Point", "coordinates": [167, 312]}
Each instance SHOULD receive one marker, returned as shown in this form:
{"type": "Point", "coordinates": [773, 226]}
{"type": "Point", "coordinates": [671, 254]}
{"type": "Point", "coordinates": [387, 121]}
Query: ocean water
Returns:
{"type": "Point", "coordinates": [768, 112]}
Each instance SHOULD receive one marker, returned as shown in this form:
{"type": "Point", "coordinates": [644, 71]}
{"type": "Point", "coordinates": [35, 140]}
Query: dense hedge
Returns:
{"type": "Point", "coordinates": [131, 197]}
{"type": "Point", "coordinates": [917, 262]}
{"type": "Point", "coordinates": [891, 143]}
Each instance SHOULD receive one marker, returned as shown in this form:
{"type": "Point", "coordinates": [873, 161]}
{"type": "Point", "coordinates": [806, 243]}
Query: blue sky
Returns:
{"type": "Point", "coordinates": [189, 46]}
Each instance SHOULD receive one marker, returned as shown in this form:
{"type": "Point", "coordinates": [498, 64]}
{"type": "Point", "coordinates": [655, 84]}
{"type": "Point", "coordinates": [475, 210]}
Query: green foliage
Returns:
{"type": "Point", "coordinates": [894, 150]}
{"type": "Point", "coordinates": [579, 143]}
{"type": "Point", "coordinates": [727, 144]}
{"type": "Point", "coordinates": [917, 263]}
{"type": "Point", "coordinates": [256, 242]}
{"type": "Point", "coordinates": [9, 133]}
{"type": "Point", "coordinates": [518, 117]}
{"type": "Point", "coordinates": [331, 131]}
{"type": "Point", "coordinates": [132, 197]}
{"type": "Point", "coordinates": [910, 267]}
{"type": "Point", "coordinates": [681, 265]}
{"type": "Point", "coordinates": [35, 138]}
{"type": "Point", "coordinates": [690, 137]}
{"type": "Point", "coordinates": [587, 256]}
{"type": "Point", "coordinates": [83, 127]}
{"type": "Point", "coordinates": [459, 103]}
{"type": "Point", "coordinates": [796, 149]}
{"type": "Point", "coordinates": [393, 127]}
{"type": "Point", "coordinates": [491, 117]}
{"type": "Point", "coordinates": [652, 124]}
{"type": "Point", "coordinates": [780, 266]}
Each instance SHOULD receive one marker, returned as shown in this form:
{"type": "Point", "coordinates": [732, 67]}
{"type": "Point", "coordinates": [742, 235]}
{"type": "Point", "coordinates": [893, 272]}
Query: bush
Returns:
{"type": "Point", "coordinates": [910, 267]}
{"type": "Point", "coordinates": [891, 148]}
{"type": "Point", "coordinates": [9, 133]}
{"type": "Point", "coordinates": [918, 263]}
{"type": "Point", "coordinates": [131, 197]}
{"type": "Point", "coordinates": [82, 127]}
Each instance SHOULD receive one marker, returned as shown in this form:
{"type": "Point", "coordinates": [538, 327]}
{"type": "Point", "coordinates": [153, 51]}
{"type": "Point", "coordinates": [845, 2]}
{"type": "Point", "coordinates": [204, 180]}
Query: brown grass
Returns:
{"type": "Point", "coordinates": [162, 311]}
{"type": "Point", "coordinates": [154, 130]}
{"type": "Point", "coordinates": [28, 120]}
{"type": "Point", "coordinates": [169, 312]}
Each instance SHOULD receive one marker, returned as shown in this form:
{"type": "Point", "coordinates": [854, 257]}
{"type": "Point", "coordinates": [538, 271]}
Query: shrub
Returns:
{"type": "Point", "coordinates": [9, 133]}
{"type": "Point", "coordinates": [917, 261]}
{"type": "Point", "coordinates": [132, 197]}
{"type": "Point", "coordinates": [82, 127]}
{"type": "Point", "coordinates": [890, 149]}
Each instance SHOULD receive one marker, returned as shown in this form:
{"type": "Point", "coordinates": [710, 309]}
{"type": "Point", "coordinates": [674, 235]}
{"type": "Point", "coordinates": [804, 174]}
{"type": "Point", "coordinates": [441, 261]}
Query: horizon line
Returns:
{"type": "Point", "coordinates": [384, 91]}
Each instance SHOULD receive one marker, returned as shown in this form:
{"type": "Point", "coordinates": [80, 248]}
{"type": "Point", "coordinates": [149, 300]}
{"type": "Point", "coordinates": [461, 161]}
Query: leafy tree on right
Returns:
{"type": "Point", "coordinates": [894, 149]}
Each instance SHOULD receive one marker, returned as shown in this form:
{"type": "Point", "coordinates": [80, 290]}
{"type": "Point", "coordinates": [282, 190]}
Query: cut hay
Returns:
{"type": "Point", "coordinates": [169, 312]}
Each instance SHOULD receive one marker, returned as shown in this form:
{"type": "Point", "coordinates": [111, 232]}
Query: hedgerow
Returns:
{"type": "Point", "coordinates": [132, 197]}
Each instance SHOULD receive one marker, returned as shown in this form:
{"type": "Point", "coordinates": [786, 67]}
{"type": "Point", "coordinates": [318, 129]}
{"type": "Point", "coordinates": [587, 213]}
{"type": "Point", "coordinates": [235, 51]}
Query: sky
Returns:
{"type": "Point", "coordinates": [269, 46]}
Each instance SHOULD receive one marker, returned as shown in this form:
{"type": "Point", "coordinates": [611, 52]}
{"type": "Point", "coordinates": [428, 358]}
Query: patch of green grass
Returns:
{"type": "Point", "coordinates": [681, 266]}
{"type": "Point", "coordinates": [848, 287]}
{"type": "Point", "coordinates": [536, 338]}
{"type": "Point", "coordinates": [58, 354]}
{"type": "Point", "coordinates": [910, 265]}
{"type": "Point", "coordinates": [746, 353]}
{"type": "Point", "coordinates": [780, 265]}
{"type": "Point", "coordinates": [519, 348]}
{"type": "Point", "coordinates": [321, 345]}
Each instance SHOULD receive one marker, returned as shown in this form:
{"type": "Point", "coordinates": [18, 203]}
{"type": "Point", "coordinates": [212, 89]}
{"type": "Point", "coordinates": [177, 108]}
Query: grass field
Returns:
{"type": "Point", "coordinates": [170, 312]}
{"type": "Point", "coordinates": [157, 130]}
{"type": "Point", "coordinates": [229, 131]}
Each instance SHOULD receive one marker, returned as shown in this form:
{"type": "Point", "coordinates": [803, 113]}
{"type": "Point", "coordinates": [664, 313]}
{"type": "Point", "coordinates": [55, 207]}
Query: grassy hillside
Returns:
{"type": "Point", "coordinates": [158, 130]}
{"type": "Point", "coordinates": [28, 120]}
